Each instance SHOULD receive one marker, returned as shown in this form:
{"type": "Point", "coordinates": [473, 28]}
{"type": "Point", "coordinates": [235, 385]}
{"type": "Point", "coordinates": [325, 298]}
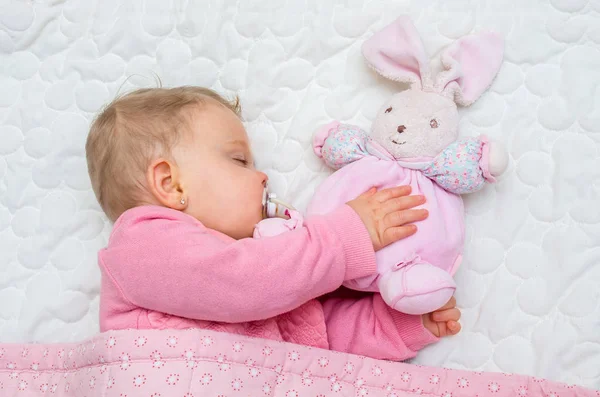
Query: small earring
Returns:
{"type": "Point", "coordinates": [182, 201]}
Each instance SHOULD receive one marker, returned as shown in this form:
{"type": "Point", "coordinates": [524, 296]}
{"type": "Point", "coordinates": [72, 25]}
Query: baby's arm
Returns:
{"type": "Point", "coordinates": [340, 144]}
{"type": "Point", "coordinates": [367, 326]}
{"type": "Point", "coordinates": [463, 167]}
{"type": "Point", "coordinates": [175, 266]}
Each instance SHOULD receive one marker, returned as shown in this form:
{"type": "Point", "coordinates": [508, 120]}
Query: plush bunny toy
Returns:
{"type": "Point", "coordinates": [413, 141]}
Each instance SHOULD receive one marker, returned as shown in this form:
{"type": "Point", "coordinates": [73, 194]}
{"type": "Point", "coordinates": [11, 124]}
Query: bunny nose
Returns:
{"type": "Point", "coordinates": [401, 129]}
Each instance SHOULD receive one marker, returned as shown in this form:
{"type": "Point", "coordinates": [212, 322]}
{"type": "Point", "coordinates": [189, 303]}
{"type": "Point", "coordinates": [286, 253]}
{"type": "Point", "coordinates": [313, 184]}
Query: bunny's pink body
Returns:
{"type": "Point", "coordinates": [414, 274]}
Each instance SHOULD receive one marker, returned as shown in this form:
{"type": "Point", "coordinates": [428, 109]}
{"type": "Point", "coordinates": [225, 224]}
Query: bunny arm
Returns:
{"type": "Point", "coordinates": [340, 144]}
{"type": "Point", "coordinates": [463, 167]}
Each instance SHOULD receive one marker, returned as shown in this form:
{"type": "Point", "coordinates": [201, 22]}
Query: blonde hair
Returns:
{"type": "Point", "coordinates": [130, 132]}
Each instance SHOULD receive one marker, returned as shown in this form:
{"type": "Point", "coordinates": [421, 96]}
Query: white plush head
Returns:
{"type": "Point", "coordinates": [422, 121]}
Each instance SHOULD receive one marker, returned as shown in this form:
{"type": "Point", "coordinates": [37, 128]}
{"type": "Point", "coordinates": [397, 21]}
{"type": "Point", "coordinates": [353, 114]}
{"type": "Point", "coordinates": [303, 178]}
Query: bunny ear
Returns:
{"type": "Point", "coordinates": [396, 52]}
{"type": "Point", "coordinates": [470, 65]}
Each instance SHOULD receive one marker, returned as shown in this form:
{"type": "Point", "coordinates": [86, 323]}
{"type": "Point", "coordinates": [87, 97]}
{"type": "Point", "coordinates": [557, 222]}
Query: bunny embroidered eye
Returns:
{"type": "Point", "coordinates": [433, 123]}
{"type": "Point", "coordinates": [388, 109]}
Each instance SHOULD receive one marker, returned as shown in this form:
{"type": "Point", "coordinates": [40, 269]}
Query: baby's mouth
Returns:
{"type": "Point", "coordinates": [398, 143]}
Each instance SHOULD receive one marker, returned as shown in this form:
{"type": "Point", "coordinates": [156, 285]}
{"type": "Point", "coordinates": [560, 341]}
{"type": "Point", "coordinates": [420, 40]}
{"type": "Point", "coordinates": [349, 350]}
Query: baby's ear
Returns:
{"type": "Point", "coordinates": [470, 65]}
{"type": "Point", "coordinates": [396, 52]}
{"type": "Point", "coordinates": [163, 182]}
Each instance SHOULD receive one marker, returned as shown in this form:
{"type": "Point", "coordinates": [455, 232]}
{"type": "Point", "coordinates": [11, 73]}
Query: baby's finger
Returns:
{"type": "Point", "coordinates": [442, 329]}
{"type": "Point", "coordinates": [403, 203]}
{"type": "Point", "coordinates": [446, 315]}
{"type": "Point", "coordinates": [453, 327]}
{"type": "Point", "coordinates": [404, 217]}
{"type": "Point", "coordinates": [399, 191]}
{"type": "Point", "coordinates": [394, 234]}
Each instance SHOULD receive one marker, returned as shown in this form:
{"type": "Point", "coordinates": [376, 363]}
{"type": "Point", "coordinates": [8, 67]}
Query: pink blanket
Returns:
{"type": "Point", "coordinates": [204, 363]}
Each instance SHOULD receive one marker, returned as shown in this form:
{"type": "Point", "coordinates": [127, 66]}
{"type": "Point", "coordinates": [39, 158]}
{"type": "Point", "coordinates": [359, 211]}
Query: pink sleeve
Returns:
{"type": "Point", "coordinates": [176, 266]}
{"type": "Point", "coordinates": [367, 326]}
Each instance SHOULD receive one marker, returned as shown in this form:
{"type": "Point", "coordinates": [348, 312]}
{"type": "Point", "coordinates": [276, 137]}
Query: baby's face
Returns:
{"type": "Point", "coordinates": [223, 189]}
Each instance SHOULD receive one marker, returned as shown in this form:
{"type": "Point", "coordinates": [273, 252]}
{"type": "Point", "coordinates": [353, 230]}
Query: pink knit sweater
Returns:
{"type": "Point", "coordinates": [164, 269]}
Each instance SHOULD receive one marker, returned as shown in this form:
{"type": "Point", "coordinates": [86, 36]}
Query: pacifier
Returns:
{"type": "Point", "coordinates": [273, 207]}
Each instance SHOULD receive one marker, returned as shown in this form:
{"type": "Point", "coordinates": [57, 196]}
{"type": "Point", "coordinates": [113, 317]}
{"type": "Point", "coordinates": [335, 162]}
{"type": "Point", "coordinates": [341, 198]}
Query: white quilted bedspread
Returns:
{"type": "Point", "coordinates": [530, 286]}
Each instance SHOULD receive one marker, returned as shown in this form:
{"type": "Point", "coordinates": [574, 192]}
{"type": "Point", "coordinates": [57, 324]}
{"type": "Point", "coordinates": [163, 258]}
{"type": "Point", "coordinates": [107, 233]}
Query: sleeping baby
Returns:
{"type": "Point", "coordinates": [172, 168]}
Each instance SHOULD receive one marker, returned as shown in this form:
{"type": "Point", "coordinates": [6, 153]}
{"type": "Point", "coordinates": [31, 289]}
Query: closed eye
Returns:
{"type": "Point", "coordinates": [244, 162]}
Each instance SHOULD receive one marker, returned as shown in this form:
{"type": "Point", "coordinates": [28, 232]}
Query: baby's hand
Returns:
{"type": "Point", "coordinates": [443, 321]}
{"type": "Point", "coordinates": [387, 214]}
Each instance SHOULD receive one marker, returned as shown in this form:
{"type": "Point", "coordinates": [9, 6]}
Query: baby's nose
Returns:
{"type": "Point", "coordinates": [264, 177]}
{"type": "Point", "coordinates": [401, 129]}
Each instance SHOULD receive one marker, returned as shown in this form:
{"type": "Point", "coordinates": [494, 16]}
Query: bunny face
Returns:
{"type": "Point", "coordinates": [414, 123]}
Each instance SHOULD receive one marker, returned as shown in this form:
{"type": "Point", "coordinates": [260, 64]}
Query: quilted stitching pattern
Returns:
{"type": "Point", "coordinates": [529, 284]}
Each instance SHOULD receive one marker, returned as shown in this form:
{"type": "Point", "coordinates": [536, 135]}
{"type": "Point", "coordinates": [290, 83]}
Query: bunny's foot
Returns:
{"type": "Point", "coordinates": [416, 288]}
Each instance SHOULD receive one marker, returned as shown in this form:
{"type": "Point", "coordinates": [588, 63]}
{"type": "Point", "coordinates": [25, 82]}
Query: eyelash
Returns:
{"type": "Point", "coordinates": [245, 162]}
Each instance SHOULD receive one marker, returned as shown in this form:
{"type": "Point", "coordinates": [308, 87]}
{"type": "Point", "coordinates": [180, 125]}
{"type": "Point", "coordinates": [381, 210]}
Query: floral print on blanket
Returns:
{"type": "Point", "coordinates": [201, 363]}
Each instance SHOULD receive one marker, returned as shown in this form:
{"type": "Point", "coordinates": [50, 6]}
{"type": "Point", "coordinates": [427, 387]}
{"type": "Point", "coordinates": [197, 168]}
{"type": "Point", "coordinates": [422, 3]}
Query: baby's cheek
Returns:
{"type": "Point", "coordinates": [241, 222]}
